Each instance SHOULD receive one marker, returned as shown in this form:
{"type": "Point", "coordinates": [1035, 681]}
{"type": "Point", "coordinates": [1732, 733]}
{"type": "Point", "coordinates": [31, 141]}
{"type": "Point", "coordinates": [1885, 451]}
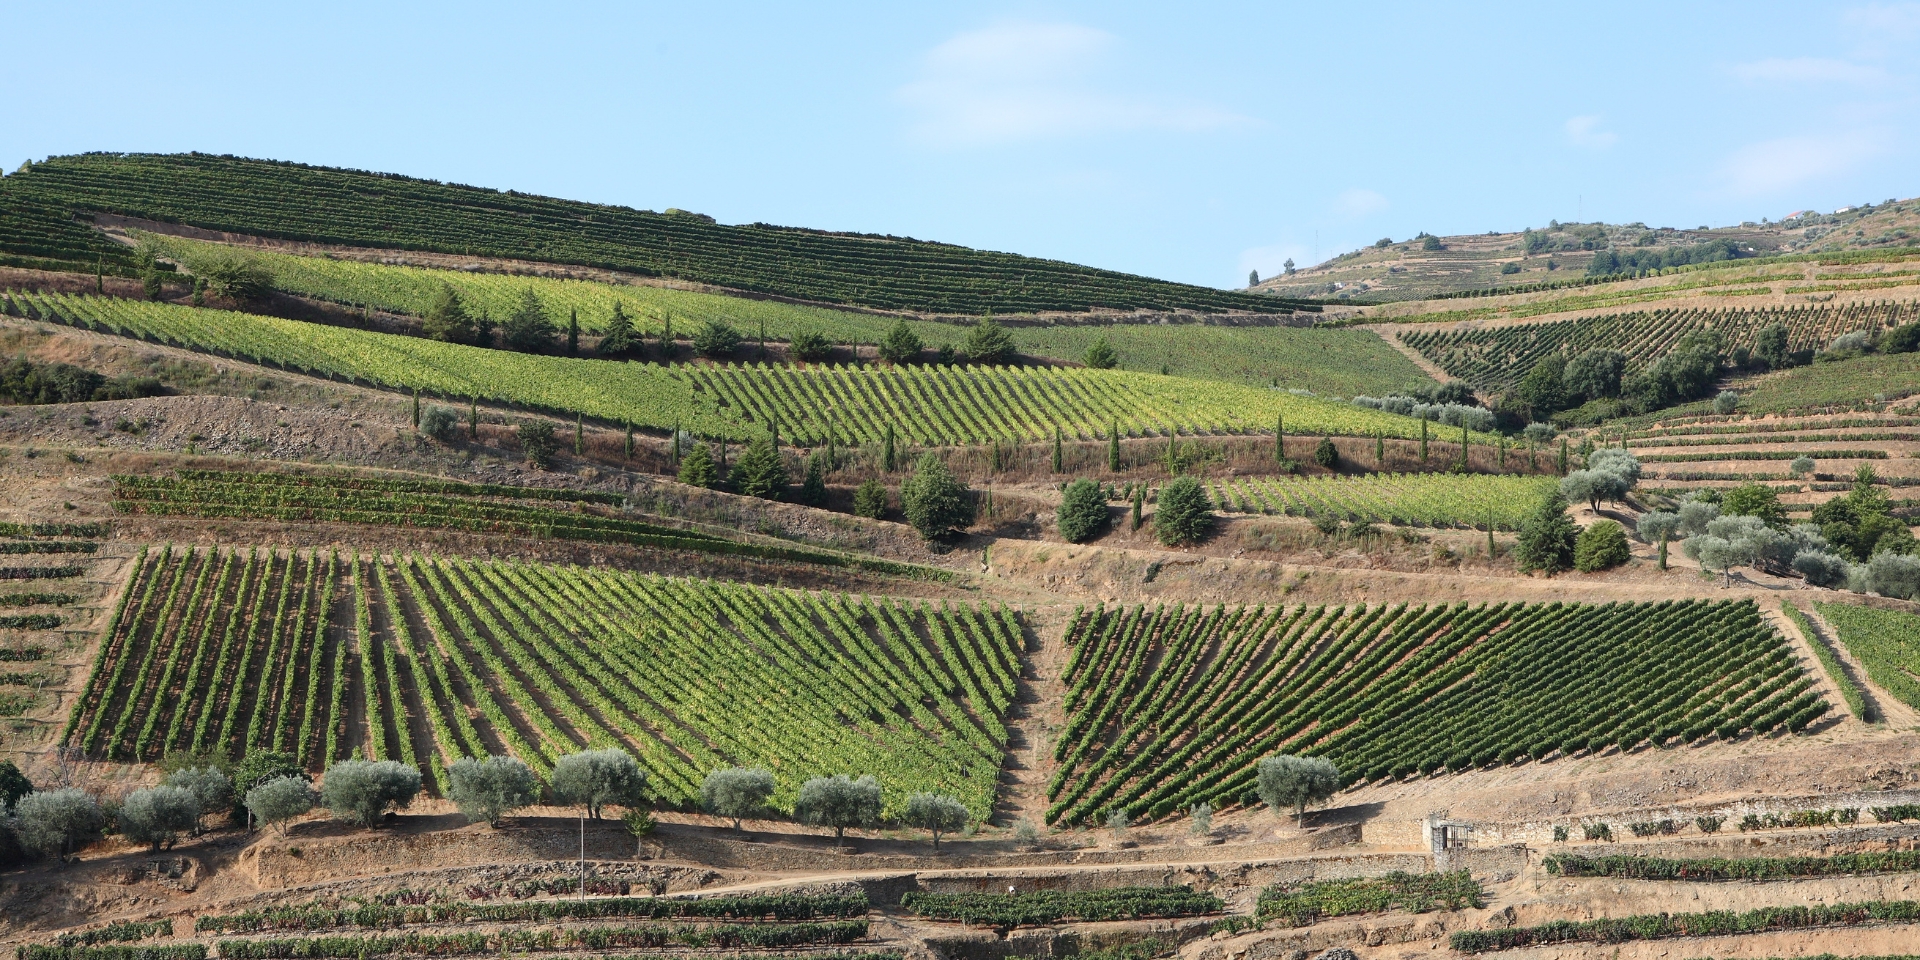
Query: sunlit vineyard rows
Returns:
{"type": "Point", "coordinates": [1423, 499]}
{"type": "Point", "coordinates": [1171, 706]}
{"type": "Point", "coordinates": [931, 405]}
{"type": "Point", "coordinates": [1495, 358]}
{"type": "Point", "coordinates": [228, 650]}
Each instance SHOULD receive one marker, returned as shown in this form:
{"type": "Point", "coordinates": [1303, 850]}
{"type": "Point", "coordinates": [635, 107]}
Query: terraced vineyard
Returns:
{"type": "Point", "coordinates": [1423, 499]}
{"type": "Point", "coordinates": [1495, 358]}
{"type": "Point", "coordinates": [446, 505]}
{"type": "Point", "coordinates": [323, 205]}
{"type": "Point", "coordinates": [229, 650]}
{"type": "Point", "coordinates": [925, 405]}
{"type": "Point", "coordinates": [1171, 706]}
{"type": "Point", "coordinates": [1886, 642]}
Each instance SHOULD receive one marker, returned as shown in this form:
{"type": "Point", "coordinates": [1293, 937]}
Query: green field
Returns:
{"type": "Point", "coordinates": [1171, 706]}
{"type": "Point", "coordinates": [229, 650]}
{"type": "Point", "coordinates": [291, 201]}
{"type": "Point", "coordinates": [1844, 383]}
{"type": "Point", "coordinates": [929, 405]}
{"type": "Point", "coordinates": [1339, 362]}
{"type": "Point", "coordinates": [1886, 642]}
{"type": "Point", "coordinates": [1425, 499]}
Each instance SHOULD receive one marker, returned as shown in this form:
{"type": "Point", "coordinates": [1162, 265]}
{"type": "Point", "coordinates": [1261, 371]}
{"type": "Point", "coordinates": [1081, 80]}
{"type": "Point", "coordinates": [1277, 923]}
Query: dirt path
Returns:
{"type": "Point", "coordinates": [1391, 334]}
{"type": "Point", "coordinates": [1894, 713]}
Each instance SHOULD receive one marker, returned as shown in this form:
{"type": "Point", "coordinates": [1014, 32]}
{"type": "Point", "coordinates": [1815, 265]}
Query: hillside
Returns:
{"type": "Point", "coordinates": [1565, 252]}
{"type": "Point", "coordinates": [39, 203]}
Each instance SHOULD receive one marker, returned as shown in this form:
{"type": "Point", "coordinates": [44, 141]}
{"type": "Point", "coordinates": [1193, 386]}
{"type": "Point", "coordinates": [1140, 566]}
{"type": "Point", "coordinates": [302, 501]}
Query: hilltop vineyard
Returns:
{"type": "Point", "coordinates": [292, 201]}
{"type": "Point", "coordinates": [1171, 706]}
{"type": "Point", "coordinates": [1495, 358]}
{"type": "Point", "coordinates": [1420, 499]}
{"type": "Point", "coordinates": [930, 405]}
{"type": "Point", "coordinates": [427, 660]}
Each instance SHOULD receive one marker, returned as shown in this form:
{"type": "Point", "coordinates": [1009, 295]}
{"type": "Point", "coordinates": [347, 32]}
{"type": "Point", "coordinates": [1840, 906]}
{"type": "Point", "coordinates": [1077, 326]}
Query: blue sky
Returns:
{"type": "Point", "coordinates": [1190, 141]}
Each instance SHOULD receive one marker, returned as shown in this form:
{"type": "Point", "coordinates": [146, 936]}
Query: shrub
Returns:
{"type": "Point", "coordinates": [736, 793]}
{"type": "Point", "coordinates": [1101, 355]}
{"type": "Point", "coordinates": [486, 789]}
{"type": "Point", "coordinates": [934, 502]}
{"type": "Point", "coordinates": [839, 802]}
{"type": "Point", "coordinates": [870, 499]}
{"type": "Point", "coordinates": [13, 786]}
{"type": "Point", "coordinates": [211, 788]}
{"type": "Point", "coordinates": [935, 813]}
{"type": "Point", "coordinates": [1601, 546]}
{"type": "Point", "coordinates": [813, 488]}
{"type": "Point", "coordinates": [1287, 781]}
{"type": "Point", "coordinates": [597, 778]}
{"type": "Point", "coordinates": [810, 347]}
{"type": "Point", "coordinates": [257, 768]}
{"type": "Point", "coordinates": [1820, 568]}
{"type": "Point", "coordinates": [157, 816]}
{"type": "Point", "coordinates": [536, 439]}
{"type": "Point", "coordinates": [988, 343]}
{"type": "Point", "coordinates": [1184, 513]}
{"type": "Point", "coordinates": [1326, 454]}
{"type": "Point", "coordinates": [1547, 538]}
{"type": "Point", "coordinates": [528, 328]}
{"type": "Point", "coordinates": [1801, 466]}
{"type": "Point", "coordinates": [1083, 511]}
{"type": "Point", "coordinates": [901, 344]}
{"type": "Point", "coordinates": [360, 791]}
{"type": "Point", "coordinates": [760, 471]}
{"type": "Point", "coordinates": [1754, 500]}
{"type": "Point", "coordinates": [1726, 402]}
{"type": "Point", "coordinates": [440, 423]}
{"type": "Point", "coordinates": [717, 340]}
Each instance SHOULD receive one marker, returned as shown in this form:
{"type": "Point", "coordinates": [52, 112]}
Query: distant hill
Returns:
{"type": "Point", "coordinates": [1425, 267]}
{"type": "Point", "coordinates": [43, 206]}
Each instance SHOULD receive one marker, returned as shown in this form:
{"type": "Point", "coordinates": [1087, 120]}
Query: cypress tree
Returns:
{"type": "Point", "coordinates": [1056, 448]}
{"type": "Point", "coordinates": [1489, 531]}
{"type": "Point", "coordinates": [629, 448]}
{"type": "Point", "coordinates": [1113, 447]}
{"type": "Point", "coordinates": [1423, 440]}
{"type": "Point", "coordinates": [1279, 439]}
{"type": "Point", "coordinates": [1379, 449]}
{"type": "Point", "coordinates": [100, 277]}
{"type": "Point", "coordinates": [887, 457]}
{"type": "Point", "coordinates": [416, 408]}
{"type": "Point", "coordinates": [473, 418]}
{"type": "Point", "coordinates": [1465, 439]}
{"type": "Point", "coordinates": [573, 332]}
{"type": "Point", "coordinates": [1563, 456]}
{"type": "Point", "coordinates": [1139, 499]}
{"type": "Point", "coordinates": [579, 433]}
{"type": "Point", "coordinates": [1171, 471]}
{"type": "Point", "coordinates": [676, 446]}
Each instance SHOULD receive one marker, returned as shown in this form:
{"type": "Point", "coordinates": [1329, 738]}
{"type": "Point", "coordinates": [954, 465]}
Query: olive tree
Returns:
{"type": "Point", "coordinates": [360, 791]}
{"type": "Point", "coordinates": [157, 816]}
{"type": "Point", "coordinates": [935, 813]}
{"type": "Point", "coordinates": [274, 802]}
{"type": "Point", "coordinates": [597, 778]}
{"type": "Point", "coordinates": [736, 793]}
{"type": "Point", "coordinates": [490, 788]}
{"type": "Point", "coordinates": [57, 822]}
{"type": "Point", "coordinates": [1287, 781]}
{"type": "Point", "coordinates": [209, 786]}
{"type": "Point", "coordinates": [839, 802]}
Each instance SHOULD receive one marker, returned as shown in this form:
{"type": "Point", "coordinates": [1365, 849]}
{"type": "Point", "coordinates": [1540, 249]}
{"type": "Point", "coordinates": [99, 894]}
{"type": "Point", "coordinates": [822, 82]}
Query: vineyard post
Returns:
{"type": "Point", "coordinates": [1056, 449]}
{"type": "Point", "coordinates": [1113, 447]}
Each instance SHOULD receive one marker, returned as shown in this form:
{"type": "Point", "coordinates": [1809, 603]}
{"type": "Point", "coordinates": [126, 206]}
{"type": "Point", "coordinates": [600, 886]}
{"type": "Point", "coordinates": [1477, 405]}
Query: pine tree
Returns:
{"type": "Point", "coordinates": [1547, 538]}
{"type": "Point", "coordinates": [579, 434]}
{"type": "Point", "coordinates": [619, 337]}
{"type": "Point", "coordinates": [1101, 356]}
{"type": "Point", "coordinates": [629, 448]}
{"type": "Point", "coordinates": [887, 460]}
{"type": "Point", "coordinates": [813, 490]}
{"type": "Point", "coordinates": [760, 472]}
{"type": "Point", "coordinates": [697, 468]}
{"type": "Point", "coordinates": [446, 317]}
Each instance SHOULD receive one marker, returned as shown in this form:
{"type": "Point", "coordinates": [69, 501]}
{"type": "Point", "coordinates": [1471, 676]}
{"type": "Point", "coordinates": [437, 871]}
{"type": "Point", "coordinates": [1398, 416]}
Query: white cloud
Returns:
{"type": "Point", "coordinates": [1357, 203]}
{"type": "Point", "coordinates": [1030, 81]}
{"type": "Point", "coordinates": [1584, 131]}
{"type": "Point", "coordinates": [1807, 70]}
{"type": "Point", "coordinates": [1892, 20]}
{"type": "Point", "coordinates": [1775, 165]}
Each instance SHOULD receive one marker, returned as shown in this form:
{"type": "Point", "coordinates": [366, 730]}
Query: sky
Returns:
{"type": "Point", "coordinates": [1191, 141]}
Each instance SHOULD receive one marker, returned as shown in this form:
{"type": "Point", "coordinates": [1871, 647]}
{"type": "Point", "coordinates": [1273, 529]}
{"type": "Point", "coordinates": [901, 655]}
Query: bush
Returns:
{"type": "Point", "coordinates": [870, 499]}
{"type": "Point", "coordinates": [536, 439]}
{"type": "Point", "coordinates": [1601, 546]}
{"type": "Point", "coordinates": [157, 816]}
{"type": "Point", "coordinates": [1726, 402]}
{"type": "Point", "coordinates": [1101, 355]}
{"type": "Point", "coordinates": [698, 469]}
{"type": "Point", "coordinates": [813, 488]}
{"type": "Point", "coordinates": [935, 813]}
{"type": "Point", "coordinates": [1083, 511]}
{"type": "Point", "coordinates": [13, 786]}
{"type": "Point", "coordinates": [440, 423]}
{"type": "Point", "coordinates": [988, 343]}
{"type": "Point", "coordinates": [57, 822]}
{"type": "Point", "coordinates": [839, 802]}
{"type": "Point", "coordinates": [274, 802]}
{"type": "Point", "coordinates": [257, 768]}
{"type": "Point", "coordinates": [1184, 513]}
{"type": "Point", "coordinates": [1326, 454]}
{"type": "Point", "coordinates": [736, 793]}
{"type": "Point", "coordinates": [760, 471]}
{"type": "Point", "coordinates": [934, 502]}
{"type": "Point", "coordinates": [234, 275]}
{"type": "Point", "coordinates": [360, 791]}
{"type": "Point", "coordinates": [901, 344]}
{"type": "Point", "coordinates": [597, 778]}
{"type": "Point", "coordinates": [1801, 466]}
{"type": "Point", "coordinates": [486, 789]}
{"type": "Point", "coordinates": [1820, 568]}
{"type": "Point", "coordinates": [528, 328]}
{"type": "Point", "coordinates": [717, 340]}
{"type": "Point", "coordinates": [1286, 781]}
{"type": "Point", "coordinates": [809, 347]}
{"type": "Point", "coordinates": [1902, 339]}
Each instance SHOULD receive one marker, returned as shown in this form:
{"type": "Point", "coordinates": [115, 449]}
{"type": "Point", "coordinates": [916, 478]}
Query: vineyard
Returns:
{"type": "Point", "coordinates": [443, 505]}
{"type": "Point", "coordinates": [1423, 499]}
{"type": "Point", "coordinates": [1056, 906]}
{"type": "Point", "coordinates": [428, 660]}
{"type": "Point", "coordinates": [1341, 362]}
{"type": "Point", "coordinates": [297, 202]}
{"type": "Point", "coordinates": [1886, 642]}
{"type": "Point", "coordinates": [930, 405]}
{"type": "Point", "coordinates": [1172, 706]}
{"type": "Point", "coordinates": [26, 649]}
{"type": "Point", "coordinates": [1495, 358]}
